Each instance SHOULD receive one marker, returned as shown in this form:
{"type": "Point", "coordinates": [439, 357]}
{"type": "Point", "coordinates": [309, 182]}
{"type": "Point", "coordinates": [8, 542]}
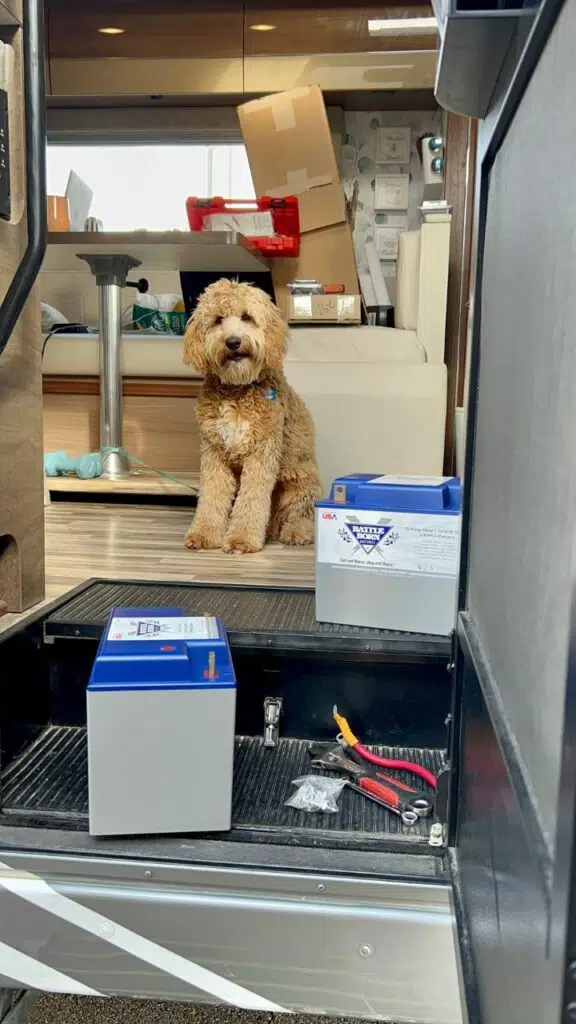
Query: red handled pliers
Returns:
{"type": "Point", "coordinates": [409, 803]}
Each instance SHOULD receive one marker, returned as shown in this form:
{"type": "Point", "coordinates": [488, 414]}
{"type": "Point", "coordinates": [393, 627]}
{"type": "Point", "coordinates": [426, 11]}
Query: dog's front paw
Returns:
{"type": "Point", "coordinates": [301, 531]}
{"type": "Point", "coordinates": [237, 544]}
{"type": "Point", "coordinates": [202, 540]}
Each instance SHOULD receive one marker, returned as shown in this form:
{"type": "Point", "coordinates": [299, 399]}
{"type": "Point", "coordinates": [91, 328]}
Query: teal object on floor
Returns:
{"type": "Point", "coordinates": [87, 467]}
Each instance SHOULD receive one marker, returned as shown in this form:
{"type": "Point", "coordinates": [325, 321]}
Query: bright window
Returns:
{"type": "Point", "coordinates": [147, 186]}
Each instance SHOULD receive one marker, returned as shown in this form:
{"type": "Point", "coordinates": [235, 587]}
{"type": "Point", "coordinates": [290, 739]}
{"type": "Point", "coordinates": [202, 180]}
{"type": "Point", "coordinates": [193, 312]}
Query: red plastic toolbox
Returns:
{"type": "Point", "coordinates": [286, 238]}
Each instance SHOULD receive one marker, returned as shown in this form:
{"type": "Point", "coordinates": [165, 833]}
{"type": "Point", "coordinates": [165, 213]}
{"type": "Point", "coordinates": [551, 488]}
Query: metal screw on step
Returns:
{"type": "Point", "coordinates": [321, 887]}
{"type": "Point", "coordinates": [436, 834]}
{"type": "Point", "coordinates": [365, 949]}
{"type": "Point", "coordinates": [147, 874]}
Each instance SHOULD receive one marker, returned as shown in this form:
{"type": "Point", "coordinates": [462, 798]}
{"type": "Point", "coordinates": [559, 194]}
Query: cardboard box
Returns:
{"type": "Point", "coordinates": [290, 152]}
{"type": "Point", "coordinates": [335, 309]}
{"type": "Point", "coordinates": [326, 255]}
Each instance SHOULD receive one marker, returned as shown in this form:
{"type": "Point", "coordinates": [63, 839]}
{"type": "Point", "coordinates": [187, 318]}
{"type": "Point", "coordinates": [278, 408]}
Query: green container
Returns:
{"type": "Point", "coordinates": [153, 319]}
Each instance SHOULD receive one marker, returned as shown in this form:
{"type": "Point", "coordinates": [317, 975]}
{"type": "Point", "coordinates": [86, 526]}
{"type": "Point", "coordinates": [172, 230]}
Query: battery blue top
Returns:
{"type": "Point", "coordinates": [395, 493]}
{"type": "Point", "coordinates": [162, 649]}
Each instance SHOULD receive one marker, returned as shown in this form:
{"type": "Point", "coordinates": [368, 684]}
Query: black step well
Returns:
{"type": "Point", "coordinates": [272, 617]}
{"type": "Point", "coordinates": [48, 785]}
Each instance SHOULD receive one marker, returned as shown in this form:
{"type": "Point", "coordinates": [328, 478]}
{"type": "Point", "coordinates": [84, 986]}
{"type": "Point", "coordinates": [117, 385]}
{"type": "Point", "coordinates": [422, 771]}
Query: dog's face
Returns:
{"type": "Point", "coordinates": [235, 333]}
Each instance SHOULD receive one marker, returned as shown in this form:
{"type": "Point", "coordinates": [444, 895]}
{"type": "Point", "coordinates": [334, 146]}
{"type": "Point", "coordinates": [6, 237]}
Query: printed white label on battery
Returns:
{"type": "Point", "coordinates": [412, 481]}
{"type": "Point", "coordinates": [392, 543]}
{"type": "Point", "coordinates": [190, 627]}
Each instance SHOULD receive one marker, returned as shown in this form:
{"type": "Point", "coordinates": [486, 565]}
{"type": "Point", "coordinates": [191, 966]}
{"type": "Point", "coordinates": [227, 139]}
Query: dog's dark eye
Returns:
{"type": "Point", "coordinates": [247, 318]}
{"type": "Point", "coordinates": [218, 320]}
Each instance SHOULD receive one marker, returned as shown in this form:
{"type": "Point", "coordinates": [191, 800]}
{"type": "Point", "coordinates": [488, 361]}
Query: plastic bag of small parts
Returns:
{"type": "Point", "coordinates": [316, 793]}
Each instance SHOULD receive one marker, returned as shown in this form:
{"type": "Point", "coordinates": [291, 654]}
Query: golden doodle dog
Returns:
{"type": "Point", "coordinates": [258, 473]}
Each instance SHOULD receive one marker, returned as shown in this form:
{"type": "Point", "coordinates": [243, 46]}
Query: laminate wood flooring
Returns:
{"type": "Point", "coordinates": [138, 482]}
{"type": "Point", "coordinates": [146, 542]}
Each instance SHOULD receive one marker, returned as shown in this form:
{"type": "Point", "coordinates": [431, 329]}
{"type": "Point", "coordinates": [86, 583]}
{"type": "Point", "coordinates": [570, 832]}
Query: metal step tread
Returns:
{"type": "Point", "coordinates": [253, 616]}
{"type": "Point", "coordinates": [48, 783]}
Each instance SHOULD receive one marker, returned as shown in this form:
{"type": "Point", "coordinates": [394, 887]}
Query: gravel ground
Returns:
{"type": "Point", "coordinates": [84, 1010]}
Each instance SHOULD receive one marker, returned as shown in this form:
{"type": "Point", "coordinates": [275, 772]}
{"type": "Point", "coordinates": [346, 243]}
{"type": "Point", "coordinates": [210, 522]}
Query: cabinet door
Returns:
{"type": "Point", "coordinates": [516, 658]}
{"type": "Point", "coordinates": [147, 51]}
{"type": "Point", "coordinates": [21, 470]}
{"type": "Point", "coordinates": [367, 47]}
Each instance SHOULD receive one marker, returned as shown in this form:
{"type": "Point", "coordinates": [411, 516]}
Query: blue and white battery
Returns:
{"type": "Point", "coordinates": [387, 552]}
{"type": "Point", "coordinates": [161, 705]}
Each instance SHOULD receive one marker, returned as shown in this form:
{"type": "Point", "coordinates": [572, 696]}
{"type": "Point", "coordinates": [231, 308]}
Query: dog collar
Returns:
{"type": "Point", "coordinates": [270, 393]}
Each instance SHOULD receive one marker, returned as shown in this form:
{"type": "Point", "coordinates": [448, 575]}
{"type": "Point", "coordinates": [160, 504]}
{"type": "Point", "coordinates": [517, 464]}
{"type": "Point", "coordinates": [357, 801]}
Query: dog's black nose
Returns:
{"type": "Point", "coordinates": [233, 344]}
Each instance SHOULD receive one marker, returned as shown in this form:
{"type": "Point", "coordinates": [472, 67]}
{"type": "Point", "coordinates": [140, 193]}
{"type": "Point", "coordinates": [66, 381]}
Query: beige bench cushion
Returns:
{"type": "Point", "coordinates": [156, 356]}
{"type": "Point", "coordinates": [407, 279]}
{"type": "Point", "coordinates": [376, 404]}
{"type": "Point", "coordinates": [368, 418]}
{"type": "Point", "coordinates": [422, 286]}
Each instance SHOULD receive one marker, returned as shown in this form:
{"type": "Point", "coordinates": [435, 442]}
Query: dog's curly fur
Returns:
{"type": "Point", "coordinates": [258, 474]}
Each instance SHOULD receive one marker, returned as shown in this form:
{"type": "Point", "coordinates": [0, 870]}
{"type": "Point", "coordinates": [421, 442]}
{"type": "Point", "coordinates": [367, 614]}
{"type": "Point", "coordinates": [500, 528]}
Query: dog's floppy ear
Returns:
{"type": "Point", "coordinates": [194, 346]}
{"type": "Point", "coordinates": [276, 338]}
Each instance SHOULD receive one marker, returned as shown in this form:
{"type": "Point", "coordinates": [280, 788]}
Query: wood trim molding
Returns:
{"type": "Point", "coordinates": [142, 387]}
{"type": "Point", "coordinates": [460, 141]}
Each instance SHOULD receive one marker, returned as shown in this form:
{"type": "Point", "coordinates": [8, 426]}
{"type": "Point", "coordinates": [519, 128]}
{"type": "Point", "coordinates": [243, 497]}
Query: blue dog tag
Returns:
{"type": "Point", "coordinates": [270, 393]}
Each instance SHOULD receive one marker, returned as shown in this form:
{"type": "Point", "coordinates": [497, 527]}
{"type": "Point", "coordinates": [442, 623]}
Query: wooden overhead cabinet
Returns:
{"type": "Point", "coordinates": [147, 51]}
{"type": "Point", "coordinates": [347, 48]}
{"type": "Point", "coordinates": [230, 48]}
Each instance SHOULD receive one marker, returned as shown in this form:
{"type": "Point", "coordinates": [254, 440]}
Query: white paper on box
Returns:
{"type": "Point", "coordinates": [387, 242]}
{"type": "Point", "coordinates": [392, 543]}
{"type": "Point", "coordinates": [393, 145]}
{"type": "Point", "coordinates": [189, 627]}
{"type": "Point", "coordinates": [412, 481]}
{"type": "Point", "coordinates": [302, 306]}
{"type": "Point", "coordinates": [255, 225]}
{"type": "Point", "coordinates": [392, 192]}
{"type": "Point", "coordinates": [393, 220]}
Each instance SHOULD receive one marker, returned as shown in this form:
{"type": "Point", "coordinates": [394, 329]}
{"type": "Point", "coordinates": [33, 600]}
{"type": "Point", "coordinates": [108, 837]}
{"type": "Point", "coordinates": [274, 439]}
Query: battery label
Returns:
{"type": "Point", "coordinates": [394, 543]}
{"type": "Point", "coordinates": [412, 481]}
{"type": "Point", "coordinates": [191, 627]}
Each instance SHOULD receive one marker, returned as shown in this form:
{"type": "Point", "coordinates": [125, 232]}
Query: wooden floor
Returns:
{"type": "Point", "coordinates": [146, 542]}
{"type": "Point", "coordinates": [138, 482]}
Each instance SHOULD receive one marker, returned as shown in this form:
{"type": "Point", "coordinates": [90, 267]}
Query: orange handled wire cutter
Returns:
{"type": "Point", "coordinates": [350, 742]}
